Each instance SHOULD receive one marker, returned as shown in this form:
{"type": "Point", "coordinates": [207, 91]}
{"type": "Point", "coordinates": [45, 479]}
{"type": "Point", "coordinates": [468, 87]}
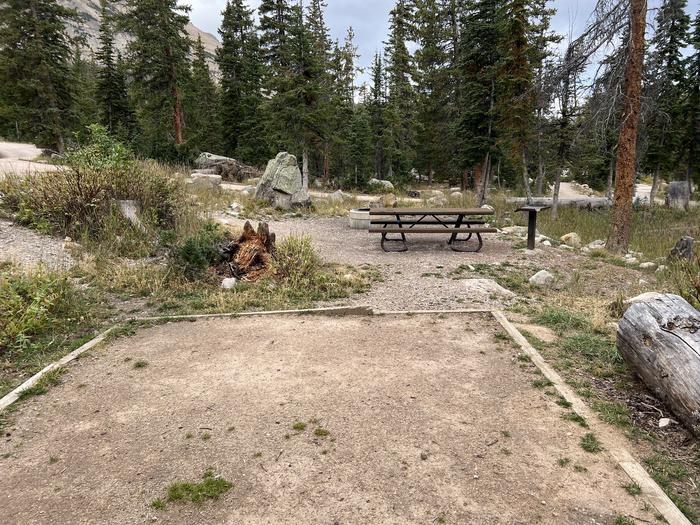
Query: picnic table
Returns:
{"type": "Point", "coordinates": [452, 221]}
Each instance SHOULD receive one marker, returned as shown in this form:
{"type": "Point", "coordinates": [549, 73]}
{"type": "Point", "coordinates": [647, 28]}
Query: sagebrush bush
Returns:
{"type": "Point", "coordinates": [685, 276]}
{"type": "Point", "coordinates": [80, 199]}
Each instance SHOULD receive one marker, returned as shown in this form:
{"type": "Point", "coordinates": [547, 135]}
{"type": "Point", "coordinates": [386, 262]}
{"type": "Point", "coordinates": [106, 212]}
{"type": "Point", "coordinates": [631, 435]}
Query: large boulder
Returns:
{"type": "Point", "coordinates": [229, 169]}
{"type": "Point", "coordinates": [282, 185]}
{"type": "Point", "coordinates": [678, 195]}
{"type": "Point", "coordinates": [380, 184]}
{"type": "Point", "coordinates": [389, 201]}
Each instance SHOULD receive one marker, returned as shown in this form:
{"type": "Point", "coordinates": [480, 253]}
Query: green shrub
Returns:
{"type": "Point", "coordinates": [80, 198]}
{"type": "Point", "coordinates": [296, 260]}
{"type": "Point", "coordinates": [192, 257]}
{"type": "Point", "coordinates": [685, 276]}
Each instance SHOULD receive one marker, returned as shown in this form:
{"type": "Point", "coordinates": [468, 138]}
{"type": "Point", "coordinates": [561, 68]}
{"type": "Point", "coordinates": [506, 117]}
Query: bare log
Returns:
{"type": "Point", "coordinates": [660, 340]}
{"type": "Point", "coordinates": [248, 258]}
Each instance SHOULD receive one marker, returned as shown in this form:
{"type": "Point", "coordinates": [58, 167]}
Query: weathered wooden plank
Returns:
{"type": "Point", "coordinates": [660, 340]}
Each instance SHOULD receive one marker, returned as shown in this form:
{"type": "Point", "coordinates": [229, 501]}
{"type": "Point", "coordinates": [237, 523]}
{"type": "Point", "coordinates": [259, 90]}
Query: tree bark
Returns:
{"type": "Point", "coordinates": [484, 186]}
{"type": "Point", "coordinates": [654, 185]}
{"type": "Point", "coordinates": [539, 181]}
{"type": "Point", "coordinates": [526, 177]}
{"type": "Point", "coordinates": [626, 163]}
{"type": "Point", "coordinates": [555, 195]}
{"type": "Point", "coordinates": [660, 340]}
{"type": "Point", "coordinates": [611, 178]}
{"type": "Point", "coordinates": [305, 169]}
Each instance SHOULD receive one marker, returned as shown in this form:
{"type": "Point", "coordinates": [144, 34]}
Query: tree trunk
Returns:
{"type": "Point", "coordinates": [555, 195]}
{"type": "Point", "coordinates": [526, 178]}
{"type": "Point", "coordinates": [478, 174]}
{"type": "Point", "coordinates": [430, 174]}
{"type": "Point", "coordinates": [660, 340]}
{"type": "Point", "coordinates": [611, 178]}
{"type": "Point", "coordinates": [654, 185]}
{"type": "Point", "coordinates": [305, 169]}
{"type": "Point", "coordinates": [249, 257]}
{"type": "Point", "coordinates": [626, 163]}
{"type": "Point", "coordinates": [484, 186]}
{"type": "Point", "coordinates": [539, 181]}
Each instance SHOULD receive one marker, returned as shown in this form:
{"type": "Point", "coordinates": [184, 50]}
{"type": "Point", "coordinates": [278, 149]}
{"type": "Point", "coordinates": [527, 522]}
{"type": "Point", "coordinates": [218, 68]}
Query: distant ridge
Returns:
{"type": "Point", "coordinates": [90, 11]}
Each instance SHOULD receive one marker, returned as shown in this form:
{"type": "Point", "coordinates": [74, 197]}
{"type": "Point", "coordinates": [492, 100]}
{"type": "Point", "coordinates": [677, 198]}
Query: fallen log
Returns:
{"type": "Point", "coordinates": [249, 257]}
{"type": "Point", "coordinates": [660, 339]}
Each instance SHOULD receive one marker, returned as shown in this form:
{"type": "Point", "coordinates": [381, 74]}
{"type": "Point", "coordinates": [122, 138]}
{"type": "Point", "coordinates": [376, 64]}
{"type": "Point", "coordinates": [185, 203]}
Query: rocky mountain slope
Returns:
{"type": "Point", "coordinates": [90, 11]}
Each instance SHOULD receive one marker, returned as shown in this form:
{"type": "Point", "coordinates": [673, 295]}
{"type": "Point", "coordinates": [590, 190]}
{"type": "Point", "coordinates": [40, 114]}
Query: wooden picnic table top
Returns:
{"type": "Point", "coordinates": [430, 211]}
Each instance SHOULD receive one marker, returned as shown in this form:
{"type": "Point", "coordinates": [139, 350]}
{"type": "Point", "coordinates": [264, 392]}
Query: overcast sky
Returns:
{"type": "Point", "coordinates": [370, 18]}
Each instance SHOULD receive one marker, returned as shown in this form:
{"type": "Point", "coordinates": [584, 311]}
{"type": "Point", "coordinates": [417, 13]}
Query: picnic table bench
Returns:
{"type": "Point", "coordinates": [453, 221]}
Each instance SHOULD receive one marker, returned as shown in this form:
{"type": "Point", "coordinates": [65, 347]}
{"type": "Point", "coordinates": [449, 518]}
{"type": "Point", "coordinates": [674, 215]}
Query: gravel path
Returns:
{"type": "Point", "coordinates": [28, 248]}
{"type": "Point", "coordinates": [419, 278]}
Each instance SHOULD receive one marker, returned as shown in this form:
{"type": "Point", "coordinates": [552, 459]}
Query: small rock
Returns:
{"type": "Point", "coordinates": [339, 196]}
{"type": "Point", "coordinates": [648, 266]}
{"type": "Point", "coordinates": [229, 283]}
{"type": "Point", "coordinates": [566, 247]}
{"type": "Point", "coordinates": [438, 200]}
{"type": "Point", "coordinates": [546, 243]}
{"type": "Point", "coordinates": [572, 239]}
{"type": "Point", "coordinates": [598, 244]}
{"type": "Point", "coordinates": [542, 279]}
{"type": "Point", "coordinates": [661, 268]}
{"type": "Point", "coordinates": [631, 261]}
{"type": "Point", "coordinates": [389, 201]}
{"type": "Point", "coordinates": [456, 195]}
{"type": "Point", "coordinates": [664, 422]}
{"type": "Point", "coordinates": [383, 184]}
{"type": "Point", "coordinates": [488, 207]}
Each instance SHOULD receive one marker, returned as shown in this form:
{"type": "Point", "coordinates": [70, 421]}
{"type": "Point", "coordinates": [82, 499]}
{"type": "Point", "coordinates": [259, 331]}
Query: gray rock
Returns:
{"type": "Point", "coordinates": [683, 248]}
{"type": "Point", "coordinates": [339, 196]}
{"type": "Point", "coordinates": [281, 185]}
{"type": "Point", "coordinates": [204, 182]}
{"type": "Point", "coordinates": [572, 239]}
{"type": "Point", "coordinates": [389, 201]}
{"type": "Point", "coordinates": [486, 290]}
{"type": "Point", "coordinates": [642, 298]}
{"type": "Point", "coordinates": [229, 284]}
{"type": "Point", "coordinates": [542, 279]}
{"type": "Point", "coordinates": [648, 266]}
{"type": "Point", "coordinates": [661, 268]}
{"type": "Point", "coordinates": [598, 244]}
{"type": "Point", "coordinates": [248, 191]}
{"type": "Point", "coordinates": [678, 195]}
{"type": "Point", "coordinates": [456, 195]}
{"type": "Point", "coordinates": [381, 184]}
{"type": "Point", "coordinates": [131, 210]}
{"type": "Point", "coordinates": [631, 261]}
{"type": "Point", "coordinates": [438, 200]}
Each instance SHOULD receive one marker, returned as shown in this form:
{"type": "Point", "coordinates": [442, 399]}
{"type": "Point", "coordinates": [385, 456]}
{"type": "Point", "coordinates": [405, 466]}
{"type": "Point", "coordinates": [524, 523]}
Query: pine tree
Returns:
{"type": "Point", "coordinates": [665, 91]}
{"type": "Point", "coordinates": [275, 19]}
{"type": "Point", "coordinates": [376, 104]}
{"type": "Point", "coordinates": [432, 79]}
{"type": "Point", "coordinates": [515, 78]}
{"type": "Point", "coordinates": [112, 98]}
{"type": "Point", "coordinates": [159, 62]}
{"type": "Point", "coordinates": [401, 103]}
{"type": "Point", "coordinates": [202, 105]}
{"type": "Point", "coordinates": [241, 77]}
{"type": "Point", "coordinates": [35, 71]}
{"type": "Point", "coordinates": [478, 58]}
{"type": "Point", "coordinates": [84, 111]}
{"type": "Point", "coordinates": [691, 142]}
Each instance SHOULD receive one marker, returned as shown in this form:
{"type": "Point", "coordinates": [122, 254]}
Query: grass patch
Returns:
{"type": "Point", "coordinates": [211, 487]}
{"type": "Point", "coordinates": [49, 379]}
{"type": "Point", "coordinates": [43, 316]}
{"type": "Point", "coordinates": [614, 413]}
{"type": "Point", "coordinates": [632, 489]}
{"type": "Point", "coordinates": [563, 462]}
{"type": "Point", "coordinates": [299, 426]}
{"type": "Point", "coordinates": [624, 520]}
{"type": "Point", "coordinates": [542, 383]}
{"type": "Point", "coordinates": [321, 432]}
{"type": "Point", "coordinates": [575, 418]}
{"type": "Point", "coordinates": [139, 364]}
{"type": "Point", "coordinates": [561, 320]}
{"type": "Point", "coordinates": [673, 477]}
{"type": "Point", "coordinates": [589, 443]}
{"type": "Point", "coordinates": [562, 402]}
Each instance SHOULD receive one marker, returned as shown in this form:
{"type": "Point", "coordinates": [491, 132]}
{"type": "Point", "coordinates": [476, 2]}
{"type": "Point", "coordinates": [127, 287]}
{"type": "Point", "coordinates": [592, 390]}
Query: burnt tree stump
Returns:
{"type": "Point", "coordinates": [660, 340]}
{"type": "Point", "coordinates": [249, 257]}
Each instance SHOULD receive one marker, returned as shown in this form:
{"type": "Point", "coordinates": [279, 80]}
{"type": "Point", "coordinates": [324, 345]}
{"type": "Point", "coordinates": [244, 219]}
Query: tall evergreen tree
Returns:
{"type": "Point", "coordinates": [666, 89]}
{"type": "Point", "coordinates": [476, 72]}
{"type": "Point", "coordinates": [376, 104]}
{"type": "Point", "coordinates": [111, 95]}
{"type": "Point", "coordinates": [691, 139]}
{"type": "Point", "coordinates": [240, 77]}
{"type": "Point", "coordinates": [159, 53]}
{"type": "Point", "coordinates": [401, 103]}
{"type": "Point", "coordinates": [84, 111]}
{"type": "Point", "coordinates": [432, 80]}
{"type": "Point", "coordinates": [202, 105]}
{"type": "Point", "coordinates": [35, 71]}
{"type": "Point", "coordinates": [516, 101]}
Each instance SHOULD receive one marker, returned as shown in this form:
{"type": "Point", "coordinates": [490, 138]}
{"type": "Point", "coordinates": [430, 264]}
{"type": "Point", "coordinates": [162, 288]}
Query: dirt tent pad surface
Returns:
{"type": "Point", "coordinates": [431, 419]}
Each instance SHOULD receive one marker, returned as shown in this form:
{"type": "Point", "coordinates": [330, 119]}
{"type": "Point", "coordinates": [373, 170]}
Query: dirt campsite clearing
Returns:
{"type": "Point", "coordinates": [393, 418]}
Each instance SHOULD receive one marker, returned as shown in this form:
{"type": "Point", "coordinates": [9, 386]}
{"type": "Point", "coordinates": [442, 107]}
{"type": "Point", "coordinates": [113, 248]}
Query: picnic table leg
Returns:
{"type": "Point", "coordinates": [402, 239]}
{"type": "Point", "coordinates": [453, 237]}
{"type": "Point", "coordinates": [531, 229]}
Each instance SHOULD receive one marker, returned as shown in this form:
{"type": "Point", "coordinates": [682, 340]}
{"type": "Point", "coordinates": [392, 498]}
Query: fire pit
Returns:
{"type": "Point", "coordinates": [359, 218]}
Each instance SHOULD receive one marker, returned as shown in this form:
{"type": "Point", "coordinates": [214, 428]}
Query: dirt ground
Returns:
{"type": "Point", "coordinates": [430, 418]}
